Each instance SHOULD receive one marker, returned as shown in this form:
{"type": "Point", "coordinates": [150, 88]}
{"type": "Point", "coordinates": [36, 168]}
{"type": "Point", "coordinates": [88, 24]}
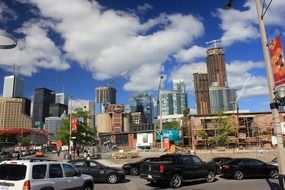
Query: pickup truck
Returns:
{"type": "Point", "coordinates": [177, 168]}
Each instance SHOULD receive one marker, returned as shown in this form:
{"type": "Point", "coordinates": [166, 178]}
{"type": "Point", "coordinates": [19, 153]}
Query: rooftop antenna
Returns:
{"type": "Point", "coordinates": [215, 42]}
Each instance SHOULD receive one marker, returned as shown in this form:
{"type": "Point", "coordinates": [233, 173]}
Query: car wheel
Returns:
{"type": "Point", "coordinates": [274, 174]}
{"type": "Point", "coordinates": [88, 187]}
{"type": "Point", "coordinates": [211, 176]}
{"type": "Point", "coordinates": [134, 171]}
{"type": "Point", "coordinates": [112, 178]}
{"type": "Point", "coordinates": [238, 175]}
{"type": "Point", "coordinates": [175, 181]}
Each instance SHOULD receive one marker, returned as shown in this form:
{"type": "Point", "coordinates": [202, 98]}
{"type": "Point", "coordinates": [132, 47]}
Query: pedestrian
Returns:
{"type": "Point", "coordinates": [18, 156]}
{"type": "Point", "coordinates": [58, 152]}
{"type": "Point", "coordinates": [77, 151]}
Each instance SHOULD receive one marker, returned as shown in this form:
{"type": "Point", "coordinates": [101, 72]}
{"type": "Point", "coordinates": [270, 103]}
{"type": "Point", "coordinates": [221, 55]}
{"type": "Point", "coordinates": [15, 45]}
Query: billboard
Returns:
{"type": "Point", "coordinates": [144, 139]}
{"type": "Point", "coordinates": [277, 60]}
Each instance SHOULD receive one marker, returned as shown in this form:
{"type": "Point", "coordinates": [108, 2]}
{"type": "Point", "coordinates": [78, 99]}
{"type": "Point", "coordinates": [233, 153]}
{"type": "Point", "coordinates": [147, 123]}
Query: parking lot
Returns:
{"type": "Point", "coordinates": [136, 183]}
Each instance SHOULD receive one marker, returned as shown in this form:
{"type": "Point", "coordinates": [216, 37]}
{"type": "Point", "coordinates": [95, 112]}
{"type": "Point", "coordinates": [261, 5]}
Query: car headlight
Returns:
{"type": "Point", "coordinates": [126, 166]}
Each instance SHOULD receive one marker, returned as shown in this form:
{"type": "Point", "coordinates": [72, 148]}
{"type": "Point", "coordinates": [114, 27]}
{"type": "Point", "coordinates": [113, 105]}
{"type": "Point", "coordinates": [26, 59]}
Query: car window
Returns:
{"type": "Point", "coordinates": [244, 162]}
{"type": "Point", "coordinates": [197, 160]}
{"type": "Point", "coordinates": [186, 160]}
{"type": "Point", "coordinates": [94, 165]}
{"type": "Point", "coordinates": [69, 171]}
{"type": "Point", "coordinates": [39, 171]}
{"type": "Point", "coordinates": [55, 171]}
{"type": "Point", "coordinates": [78, 163]}
{"type": "Point", "coordinates": [7, 172]}
{"type": "Point", "coordinates": [256, 163]}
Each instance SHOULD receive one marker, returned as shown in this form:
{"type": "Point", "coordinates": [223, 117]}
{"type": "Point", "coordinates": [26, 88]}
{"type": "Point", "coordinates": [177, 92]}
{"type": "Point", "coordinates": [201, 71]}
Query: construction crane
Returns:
{"type": "Point", "coordinates": [214, 42]}
{"type": "Point", "coordinates": [241, 92]}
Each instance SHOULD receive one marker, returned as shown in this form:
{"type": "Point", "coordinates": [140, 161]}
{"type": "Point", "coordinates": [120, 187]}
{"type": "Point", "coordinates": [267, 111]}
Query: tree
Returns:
{"type": "Point", "coordinates": [224, 129]}
{"type": "Point", "coordinates": [84, 135]}
{"type": "Point", "coordinates": [171, 125]}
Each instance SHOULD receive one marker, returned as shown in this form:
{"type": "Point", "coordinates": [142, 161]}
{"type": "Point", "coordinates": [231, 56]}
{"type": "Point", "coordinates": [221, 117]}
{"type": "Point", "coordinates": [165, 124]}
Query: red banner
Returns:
{"type": "Point", "coordinates": [277, 61]}
{"type": "Point", "coordinates": [74, 124]}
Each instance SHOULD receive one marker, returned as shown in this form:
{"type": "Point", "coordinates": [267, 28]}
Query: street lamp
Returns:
{"type": "Point", "coordinates": [160, 113]}
{"type": "Point", "coordinates": [270, 80]}
{"type": "Point", "coordinates": [9, 41]}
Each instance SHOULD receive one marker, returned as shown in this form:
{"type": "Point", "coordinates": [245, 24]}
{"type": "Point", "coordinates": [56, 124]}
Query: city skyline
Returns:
{"type": "Point", "coordinates": [77, 46]}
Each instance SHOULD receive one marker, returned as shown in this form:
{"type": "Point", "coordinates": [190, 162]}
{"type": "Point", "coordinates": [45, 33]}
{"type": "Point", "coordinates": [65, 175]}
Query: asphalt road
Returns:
{"type": "Point", "coordinates": [136, 183]}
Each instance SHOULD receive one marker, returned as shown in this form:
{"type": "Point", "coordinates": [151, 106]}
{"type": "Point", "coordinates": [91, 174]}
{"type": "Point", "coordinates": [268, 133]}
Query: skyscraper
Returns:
{"type": "Point", "coordinates": [142, 103]}
{"type": "Point", "coordinates": [220, 94]}
{"type": "Point", "coordinates": [13, 87]}
{"type": "Point", "coordinates": [216, 67]}
{"type": "Point", "coordinates": [106, 95]}
{"type": "Point", "coordinates": [201, 89]}
{"type": "Point", "coordinates": [61, 98]}
{"type": "Point", "coordinates": [174, 101]}
{"type": "Point", "coordinates": [42, 99]}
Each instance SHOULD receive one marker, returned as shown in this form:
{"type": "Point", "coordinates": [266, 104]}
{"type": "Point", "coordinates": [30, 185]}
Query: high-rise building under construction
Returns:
{"type": "Point", "coordinates": [201, 89]}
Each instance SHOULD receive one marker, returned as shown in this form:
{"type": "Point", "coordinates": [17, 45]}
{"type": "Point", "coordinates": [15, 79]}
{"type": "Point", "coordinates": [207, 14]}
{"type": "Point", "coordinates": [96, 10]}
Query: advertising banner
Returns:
{"type": "Point", "coordinates": [277, 60]}
{"type": "Point", "coordinates": [74, 124]}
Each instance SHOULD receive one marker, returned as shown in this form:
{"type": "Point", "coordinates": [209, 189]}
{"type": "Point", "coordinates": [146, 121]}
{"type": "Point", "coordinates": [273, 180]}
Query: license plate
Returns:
{"type": "Point", "coordinates": [149, 176]}
{"type": "Point", "coordinates": [4, 188]}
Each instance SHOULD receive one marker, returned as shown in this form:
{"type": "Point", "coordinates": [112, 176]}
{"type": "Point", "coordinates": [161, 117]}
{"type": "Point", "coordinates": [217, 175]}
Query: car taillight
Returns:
{"type": "Point", "coordinates": [226, 166]}
{"type": "Point", "coordinates": [27, 185]}
{"type": "Point", "coordinates": [161, 168]}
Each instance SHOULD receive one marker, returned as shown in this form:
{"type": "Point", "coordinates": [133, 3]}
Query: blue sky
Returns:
{"type": "Point", "coordinates": [77, 45]}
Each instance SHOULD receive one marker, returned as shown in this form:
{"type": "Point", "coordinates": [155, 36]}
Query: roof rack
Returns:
{"type": "Point", "coordinates": [41, 160]}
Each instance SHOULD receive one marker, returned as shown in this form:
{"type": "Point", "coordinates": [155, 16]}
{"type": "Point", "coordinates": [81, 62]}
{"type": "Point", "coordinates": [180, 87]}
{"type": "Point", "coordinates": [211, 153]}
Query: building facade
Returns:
{"type": "Point", "coordinates": [13, 87]}
{"type": "Point", "coordinates": [222, 99]}
{"type": "Point", "coordinates": [42, 99]}
{"type": "Point", "coordinates": [142, 103]}
{"type": "Point", "coordinates": [15, 114]}
{"type": "Point", "coordinates": [52, 125]}
{"type": "Point", "coordinates": [61, 98]}
{"type": "Point", "coordinates": [201, 89]}
{"type": "Point", "coordinates": [106, 95]}
{"type": "Point", "coordinates": [216, 67]}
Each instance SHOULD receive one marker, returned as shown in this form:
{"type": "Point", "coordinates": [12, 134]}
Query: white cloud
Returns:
{"type": "Point", "coordinates": [108, 42]}
{"type": "Point", "coordinates": [34, 51]}
{"type": "Point", "coordinates": [144, 8]}
{"type": "Point", "coordinates": [242, 25]}
{"type": "Point", "coordinates": [186, 72]}
{"type": "Point", "coordinates": [6, 13]}
{"type": "Point", "coordinates": [239, 76]}
{"type": "Point", "coordinates": [237, 71]}
{"type": "Point", "coordinates": [191, 54]}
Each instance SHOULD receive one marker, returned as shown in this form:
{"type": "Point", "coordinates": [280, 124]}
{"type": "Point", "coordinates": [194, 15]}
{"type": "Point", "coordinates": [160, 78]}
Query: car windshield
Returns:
{"type": "Point", "coordinates": [8, 172]}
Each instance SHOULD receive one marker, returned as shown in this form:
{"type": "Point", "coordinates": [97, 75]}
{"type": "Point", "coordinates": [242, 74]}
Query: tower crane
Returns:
{"type": "Point", "coordinates": [214, 42]}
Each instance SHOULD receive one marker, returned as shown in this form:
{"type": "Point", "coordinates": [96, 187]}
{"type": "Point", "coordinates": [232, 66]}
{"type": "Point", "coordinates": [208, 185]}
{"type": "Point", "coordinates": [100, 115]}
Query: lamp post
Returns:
{"type": "Point", "coordinates": [270, 80]}
{"type": "Point", "coordinates": [70, 132]}
{"type": "Point", "coordinates": [160, 113]}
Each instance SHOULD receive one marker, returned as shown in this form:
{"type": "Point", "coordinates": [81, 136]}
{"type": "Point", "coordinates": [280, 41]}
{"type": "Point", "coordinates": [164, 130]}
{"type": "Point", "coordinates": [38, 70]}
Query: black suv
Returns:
{"type": "Point", "coordinates": [177, 168]}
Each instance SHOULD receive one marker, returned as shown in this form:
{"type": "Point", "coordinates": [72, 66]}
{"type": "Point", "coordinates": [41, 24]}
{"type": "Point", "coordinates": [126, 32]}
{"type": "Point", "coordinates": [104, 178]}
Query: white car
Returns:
{"type": "Point", "coordinates": [38, 174]}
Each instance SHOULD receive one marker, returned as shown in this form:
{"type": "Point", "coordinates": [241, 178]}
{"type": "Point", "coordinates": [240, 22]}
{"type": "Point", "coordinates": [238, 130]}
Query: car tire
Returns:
{"type": "Point", "coordinates": [274, 174]}
{"type": "Point", "coordinates": [134, 171]}
{"type": "Point", "coordinates": [112, 178]}
{"type": "Point", "coordinates": [175, 181]}
{"type": "Point", "coordinates": [238, 175]}
{"type": "Point", "coordinates": [211, 176]}
{"type": "Point", "coordinates": [88, 187]}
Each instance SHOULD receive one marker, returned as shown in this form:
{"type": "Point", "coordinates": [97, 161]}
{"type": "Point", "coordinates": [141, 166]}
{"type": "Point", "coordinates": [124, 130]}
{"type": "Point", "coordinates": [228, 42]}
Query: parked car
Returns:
{"type": "Point", "coordinates": [134, 167]}
{"type": "Point", "coordinates": [42, 174]}
{"type": "Point", "coordinates": [218, 161]}
{"type": "Point", "coordinates": [240, 168]}
{"type": "Point", "coordinates": [274, 162]}
{"type": "Point", "coordinates": [5, 155]}
{"type": "Point", "coordinates": [40, 153]}
{"type": "Point", "coordinates": [177, 168]}
{"type": "Point", "coordinates": [98, 171]}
